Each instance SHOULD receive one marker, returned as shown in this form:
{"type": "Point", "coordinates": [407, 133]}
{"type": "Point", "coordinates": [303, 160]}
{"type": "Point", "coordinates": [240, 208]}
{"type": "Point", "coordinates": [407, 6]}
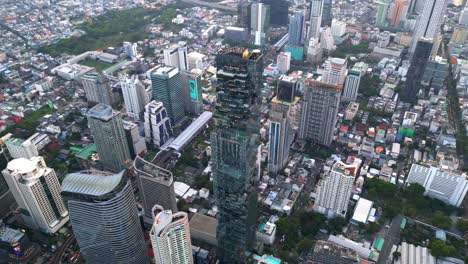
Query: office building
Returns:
{"type": "Point", "coordinates": [399, 12]}
{"type": "Point", "coordinates": [19, 148]}
{"type": "Point", "coordinates": [155, 186]}
{"type": "Point", "coordinates": [281, 136]}
{"type": "Point", "coordinates": [235, 150]}
{"type": "Point", "coordinates": [278, 11]}
{"type": "Point", "coordinates": [170, 237]}
{"type": "Point", "coordinates": [316, 9]}
{"type": "Point", "coordinates": [314, 50]}
{"type": "Point", "coordinates": [130, 49]}
{"type": "Point", "coordinates": [193, 100]}
{"type": "Point", "coordinates": [236, 34]}
{"type": "Point", "coordinates": [195, 60]}
{"type": "Point", "coordinates": [37, 191]}
{"type": "Point", "coordinates": [134, 95]}
{"type": "Point", "coordinates": [334, 71]}
{"type": "Point", "coordinates": [334, 190]}
{"type": "Point", "coordinates": [104, 216]}
{"type": "Point", "coordinates": [176, 56]}
{"type": "Point", "coordinates": [435, 73]}
{"type": "Point", "coordinates": [429, 22]}
{"type": "Point", "coordinates": [327, 13]}
{"type": "Point", "coordinates": [109, 136]}
{"type": "Point", "coordinates": [244, 15]}
{"type": "Point", "coordinates": [283, 62]}
{"type": "Point", "coordinates": [319, 111]}
{"type": "Point", "coordinates": [98, 89]}
{"type": "Point", "coordinates": [286, 88]}
{"type": "Point", "coordinates": [296, 31]}
{"type": "Point", "coordinates": [416, 69]}
{"type": "Point", "coordinates": [158, 128]}
{"type": "Point", "coordinates": [351, 86]}
{"type": "Point", "coordinates": [381, 16]}
{"type": "Point", "coordinates": [449, 187]}
{"type": "Point", "coordinates": [259, 23]}
{"type": "Point", "coordinates": [136, 143]}
{"type": "Point", "coordinates": [167, 89]}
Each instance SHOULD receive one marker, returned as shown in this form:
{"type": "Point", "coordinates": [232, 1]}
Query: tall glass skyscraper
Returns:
{"type": "Point", "coordinates": [296, 29]}
{"type": "Point", "coordinates": [234, 150]}
{"type": "Point", "coordinates": [109, 136]}
{"type": "Point", "coordinates": [104, 217]}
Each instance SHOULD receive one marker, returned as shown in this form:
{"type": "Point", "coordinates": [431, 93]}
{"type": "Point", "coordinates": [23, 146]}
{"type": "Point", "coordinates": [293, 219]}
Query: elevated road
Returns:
{"type": "Point", "coordinates": [212, 5]}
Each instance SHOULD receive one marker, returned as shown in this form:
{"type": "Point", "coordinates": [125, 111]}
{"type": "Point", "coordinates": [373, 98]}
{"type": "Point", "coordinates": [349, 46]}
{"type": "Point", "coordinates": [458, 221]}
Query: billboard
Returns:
{"type": "Point", "coordinates": [193, 90]}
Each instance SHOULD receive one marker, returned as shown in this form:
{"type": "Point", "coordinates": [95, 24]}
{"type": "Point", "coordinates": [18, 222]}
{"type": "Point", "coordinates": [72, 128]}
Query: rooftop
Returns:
{"type": "Point", "coordinates": [87, 151]}
{"type": "Point", "coordinates": [101, 111]}
{"type": "Point", "coordinates": [204, 224]}
{"type": "Point", "coordinates": [95, 183]}
{"type": "Point", "coordinates": [10, 235]}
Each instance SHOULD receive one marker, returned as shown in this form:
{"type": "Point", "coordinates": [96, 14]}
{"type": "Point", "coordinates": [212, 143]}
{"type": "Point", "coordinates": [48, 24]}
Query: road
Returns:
{"type": "Point", "coordinates": [59, 253]}
{"type": "Point", "coordinates": [392, 237]}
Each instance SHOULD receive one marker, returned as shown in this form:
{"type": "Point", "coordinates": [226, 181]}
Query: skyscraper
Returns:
{"type": "Point", "coordinates": [135, 96]}
{"type": "Point", "coordinates": [280, 137]}
{"type": "Point", "coordinates": [170, 237]}
{"type": "Point", "coordinates": [296, 29]}
{"type": "Point", "coordinates": [104, 217]}
{"type": "Point", "coordinates": [334, 190]}
{"type": "Point", "coordinates": [235, 144]}
{"type": "Point", "coordinates": [130, 49]}
{"type": "Point", "coordinates": [109, 136]}
{"type": "Point", "coordinates": [167, 88]}
{"type": "Point", "coordinates": [136, 143]}
{"type": "Point", "coordinates": [430, 20]}
{"type": "Point", "coordinates": [244, 15]}
{"type": "Point", "coordinates": [176, 56]}
{"type": "Point", "coordinates": [416, 6]}
{"type": "Point", "coordinates": [351, 86]}
{"type": "Point", "coordinates": [381, 16]}
{"type": "Point", "coordinates": [37, 191]}
{"type": "Point", "coordinates": [259, 22]}
{"type": "Point", "coordinates": [283, 61]}
{"type": "Point", "coordinates": [278, 11]}
{"type": "Point", "coordinates": [98, 89]}
{"type": "Point", "coordinates": [316, 9]}
{"type": "Point", "coordinates": [193, 100]}
{"type": "Point", "coordinates": [416, 70]}
{"type": "Point", "coordinates": [286, 88]}
{"type": "Point", "coordinates": [334, 71]}
{"type": "Point", "coordinates": [400, 10]}
{"type": "Point", "coordinates": [158, 127]}
{"type": "Point", "coordinates": [319, 110]}
{"type": "Point", "coordinates": [327, 13]}
{"type": "Point", "coordinates": [156, 186]}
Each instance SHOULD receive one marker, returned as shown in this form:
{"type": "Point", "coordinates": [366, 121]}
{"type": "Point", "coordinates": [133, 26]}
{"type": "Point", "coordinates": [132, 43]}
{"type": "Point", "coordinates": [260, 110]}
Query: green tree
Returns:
{"type": "Point", "coordinates": [305, 244]}
{"type": "Point", "coordinates": [442, 221]}
{"type": "Point", "coordinates": [336, 224]}
{"type": "Point", "coordinates": [372, 228]}
{"type": "Point", "coordinates": [440, 249]}
{"type": "Point", "coordinates": [182, 205]}
{"type": "Point", "coordinates": [462, 225]}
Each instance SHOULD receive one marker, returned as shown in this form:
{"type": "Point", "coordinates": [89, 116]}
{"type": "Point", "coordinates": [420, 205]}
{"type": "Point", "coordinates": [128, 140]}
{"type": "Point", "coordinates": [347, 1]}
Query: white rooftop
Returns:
{"type": "Point", "coordinates": [362, 210]}
{"type": "Point", "coordinates": [94, 183]}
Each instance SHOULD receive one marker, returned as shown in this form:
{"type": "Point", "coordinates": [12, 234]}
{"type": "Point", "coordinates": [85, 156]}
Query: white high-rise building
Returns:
{"type": "Point", "coordinates": [351, 86]}
{"type": "Point", "coordinates": [338, 28]}
{"type": "Point", "coordinates": [158, 127]}
{"type": "Point", "coordinates": [449, 187]}
{"type": "Point", "coordinates": [464, 16]}
{"type": "Point", "coordinates": [283, 61]}
{"type": "Point", "coordinates": [280, 137]}
{"type": "Point", "coordinates": [176, 56]}
{"type": "Point", "coordinates": [170, 237]}
{"type": "Point", "coordinates": [195, 60]}
{"type": "Point", "coordinates": [327, 42]}
{"type": "Point", "coordinates": [335, 71]}
{"type": "Point", "coordinates": [429, 21]}
{"type": "Point", "coordinates": [134, 94]}
{"type": "Point", "coordinates": [314, 50]}
{"type": "Point", "coordinates": [37, 191]}
{"type": "Point", "coordinates": [130, 49]}
{"type": "Point", "coordinates": [316, 9]}
{"type": "Point", "coordinates": [20, 148]}
{"type": "Point", "coordinates": [334, 190]}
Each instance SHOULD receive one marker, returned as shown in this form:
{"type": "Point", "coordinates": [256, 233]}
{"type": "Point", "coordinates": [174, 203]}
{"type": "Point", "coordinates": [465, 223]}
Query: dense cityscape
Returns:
{"type": "Point", "coordinates": [234, 131]}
